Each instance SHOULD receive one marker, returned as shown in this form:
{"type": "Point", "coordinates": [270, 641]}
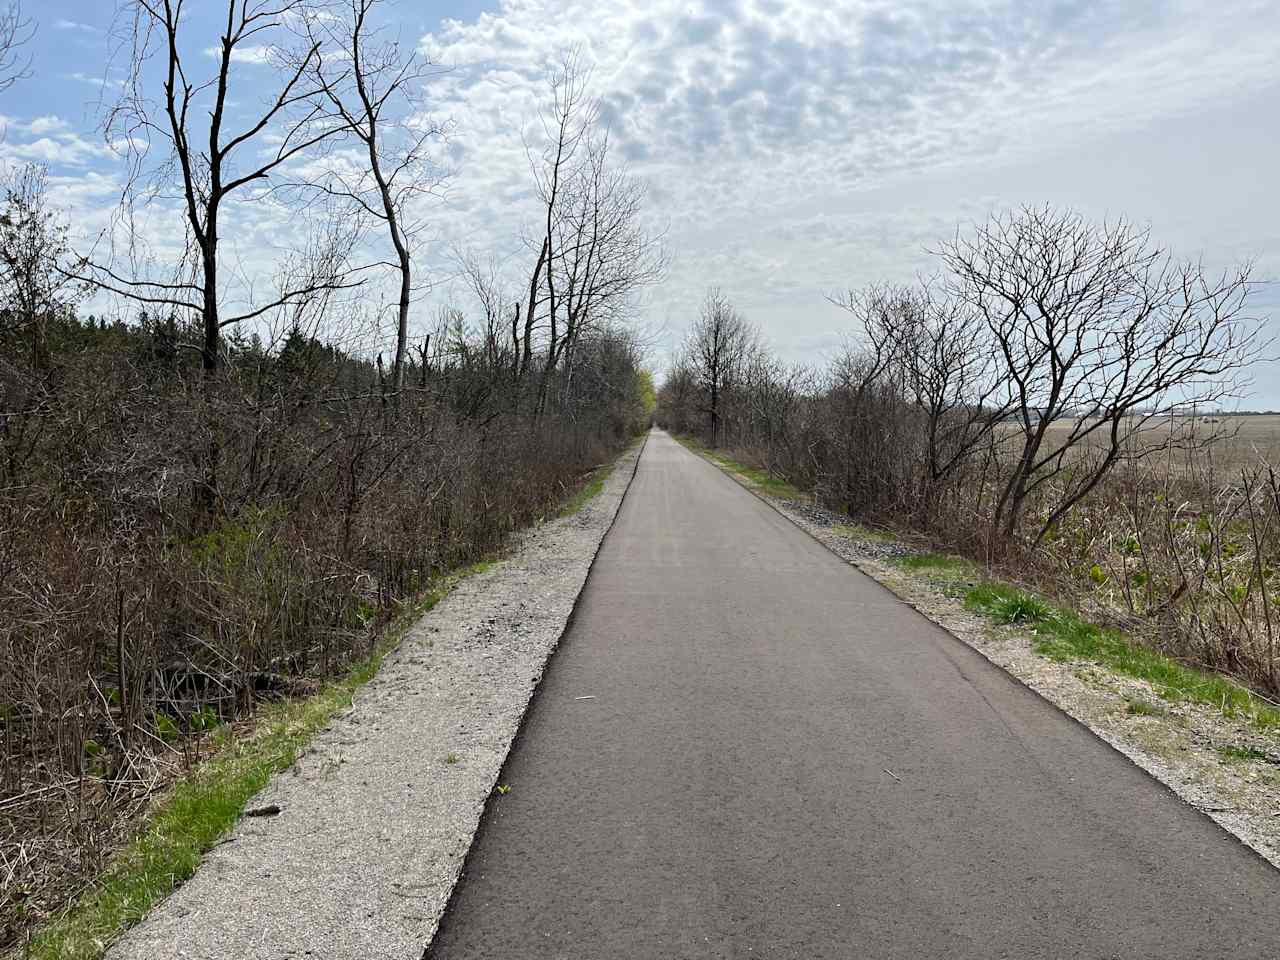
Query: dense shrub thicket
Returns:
{"type": "Point", "coordinates": [144, 599]}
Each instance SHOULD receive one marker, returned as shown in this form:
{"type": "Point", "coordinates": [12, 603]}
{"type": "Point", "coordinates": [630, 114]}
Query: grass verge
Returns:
{"type": "Point", "coordinates": [1062, 635]}
{"type": "Point", "coordinates": [937, 564]}
{"type": "Point", "coordinates": [767, 483]}
{"type": "Point", "coordinates": [594, 483]}
{"type": "Point", "coordinates": [856, 531]}
{"type": "Point", "coordinates": [588, 491]}
{"type": "Point", "coordinates": [199, 808]}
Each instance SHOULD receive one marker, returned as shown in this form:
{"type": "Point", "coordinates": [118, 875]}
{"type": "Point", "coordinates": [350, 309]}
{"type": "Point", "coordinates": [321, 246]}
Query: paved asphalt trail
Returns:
{"type": "Point", "coordinates": [726, 793]}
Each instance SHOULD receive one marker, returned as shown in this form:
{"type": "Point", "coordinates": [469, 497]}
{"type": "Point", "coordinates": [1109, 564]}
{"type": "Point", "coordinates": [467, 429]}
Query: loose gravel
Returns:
{"type": "Point", "coordinates": [376, 818]}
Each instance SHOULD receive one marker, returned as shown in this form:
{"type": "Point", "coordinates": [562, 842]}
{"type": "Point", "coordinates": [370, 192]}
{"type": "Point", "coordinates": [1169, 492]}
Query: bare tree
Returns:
{"type": "Point", "coordinates": [484, 279]}
{"type": "Point", "coordinates": [34, 261]}
{"type": "Point", "coordinates": [604, 253]}
{"type": "Point", "coordinates": [370, 83]}
{"type": "Point", "coordinates": [210, 149]}
{"type": "Point", "coordinates": [566, 123]}
{"type": "Point", "coordinates": [204, 138]}
{"type": "Point", "coordinates": [717, 347]}
{"type": "Point", "coordinates": [938, 353]}
{"type": "Point", "coordinates": [1098, 331]}
{"type": "Point", "coordinates": [772, 403]}
{"type": "Point", "coordinates": [591, 249]}
{"type": "Point", "coordinates": [16, 31]}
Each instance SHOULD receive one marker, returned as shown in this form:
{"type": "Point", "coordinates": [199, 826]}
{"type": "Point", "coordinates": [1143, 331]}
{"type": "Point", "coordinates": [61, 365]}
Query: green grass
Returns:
{"type": "Point", "coordinates": [1244, 754]}
{"type": "Point", "coordinates": [192, 815]}
{"type": "Point", "coordinates": [1061, 635]}
{"type": "Point", "coordinates": [1006, 604]}
{"type": "Point", "coordinates": [588, 491]}
{"type": "Point", "coordinates": [855, 531]}
{"type": "Point", "coordinates": [765, 482]}
{"type": "Point", "coordinates": [937, 563]}
{"type": "Point", "coordinates": [1144, 708]}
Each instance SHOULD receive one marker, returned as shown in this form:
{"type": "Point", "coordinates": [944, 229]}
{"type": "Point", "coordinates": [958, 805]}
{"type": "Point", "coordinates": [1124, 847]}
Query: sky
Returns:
{"type": "Point", "coordinates": [791, 149]}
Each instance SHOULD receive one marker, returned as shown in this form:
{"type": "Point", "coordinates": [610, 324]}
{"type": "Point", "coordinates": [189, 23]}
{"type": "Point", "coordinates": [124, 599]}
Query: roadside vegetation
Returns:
{"type": "Point", "coordinates": [1047, 406]}
{"type": "Point", "coordinates": [207, 799]}
{"type": "Point", "coordinates": [220, 491]}
{"type": "Point", "coordinates": [1062, 634]}
{"type": "Point", "coordinates": [762, 480]}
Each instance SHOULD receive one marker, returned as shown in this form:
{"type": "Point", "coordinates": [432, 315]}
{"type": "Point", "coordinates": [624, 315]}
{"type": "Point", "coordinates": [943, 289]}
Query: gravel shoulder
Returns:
{"type": "Point", "coordinates": [1224, 767]}
{"type": "Point", "coordinates": [376, 818]}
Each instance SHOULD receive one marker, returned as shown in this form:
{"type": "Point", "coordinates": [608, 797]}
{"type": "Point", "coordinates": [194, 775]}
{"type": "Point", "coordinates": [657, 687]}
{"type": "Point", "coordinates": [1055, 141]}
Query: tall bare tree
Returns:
{"type": "Point", "coordinates": [211, 146]}
{"type": "Point", "coordinates": [370, 83]}
{"type": "Point", "coordinates": [566, 122]}
{"type": "Point", "coordinates": [936, 351]}
{"type": "Point", "coordinates": [717, 347]}
{"type": "Point", "coordinates": [210, 137]}
{"type": "Point", "coordinates": [591, 249]}
{"type": "Point", "coordinates": [604, 252]}
{"type": "Point", "coordinates": [1099, 331]}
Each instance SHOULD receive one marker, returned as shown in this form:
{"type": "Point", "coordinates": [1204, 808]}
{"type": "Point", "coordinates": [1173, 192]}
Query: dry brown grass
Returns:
{"type": "Point", "coordinates": [1235, 441]}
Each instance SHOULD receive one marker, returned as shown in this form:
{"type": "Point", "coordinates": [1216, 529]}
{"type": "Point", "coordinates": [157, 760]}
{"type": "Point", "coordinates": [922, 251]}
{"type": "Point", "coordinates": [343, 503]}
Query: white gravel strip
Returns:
{"type": "Point", "coordinates": [374, 824]}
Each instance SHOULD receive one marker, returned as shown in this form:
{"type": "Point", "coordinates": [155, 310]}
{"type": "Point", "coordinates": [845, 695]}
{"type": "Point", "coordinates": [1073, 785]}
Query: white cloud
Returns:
{"type": "Point", "coordinates": [779, 136]}
{"type": "Point", "coordinates": [42, 126]}
{"type": "Point", "coordinates": [244, 54]}
{"type": "Point", "coordinates": [52, 141]}
{"type": "Point", "coordinates": [95, 81]}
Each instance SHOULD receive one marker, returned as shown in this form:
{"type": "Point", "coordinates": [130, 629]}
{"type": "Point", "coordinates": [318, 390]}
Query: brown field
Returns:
{"type": "Point", "coordinates": [1225, 443]}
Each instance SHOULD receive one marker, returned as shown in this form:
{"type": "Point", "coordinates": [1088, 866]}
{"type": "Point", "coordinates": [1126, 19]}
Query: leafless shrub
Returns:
{"type": "Point", "coordinates": [132, 623]}
{"type": "Point", "coordinates": [1101, 330]}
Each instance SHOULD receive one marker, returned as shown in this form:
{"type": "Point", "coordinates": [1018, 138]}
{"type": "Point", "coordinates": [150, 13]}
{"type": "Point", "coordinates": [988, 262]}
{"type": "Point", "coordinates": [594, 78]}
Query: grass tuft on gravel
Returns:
{"type": "Point", "coordinates": [197, 810]}
{"type": "Point", "coordinates": [856, 531]}
{"type": "Point", "coordinates": [1144, 708]}
{"type": "Point", "coordinates": [1244, 754]}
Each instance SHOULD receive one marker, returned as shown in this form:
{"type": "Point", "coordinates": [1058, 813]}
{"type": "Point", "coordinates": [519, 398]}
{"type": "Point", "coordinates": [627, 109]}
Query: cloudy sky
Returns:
{"type": "Point", "coordinates": [793, 148]}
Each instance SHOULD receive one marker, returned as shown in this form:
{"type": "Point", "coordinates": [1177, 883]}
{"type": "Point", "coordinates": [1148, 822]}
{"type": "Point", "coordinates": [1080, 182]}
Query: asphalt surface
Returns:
{"type": "Point", "coordinates": [780, 759]}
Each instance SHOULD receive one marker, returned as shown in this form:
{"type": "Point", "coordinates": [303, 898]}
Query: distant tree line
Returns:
{"type": "Point", "coordinates": [994, 395]}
